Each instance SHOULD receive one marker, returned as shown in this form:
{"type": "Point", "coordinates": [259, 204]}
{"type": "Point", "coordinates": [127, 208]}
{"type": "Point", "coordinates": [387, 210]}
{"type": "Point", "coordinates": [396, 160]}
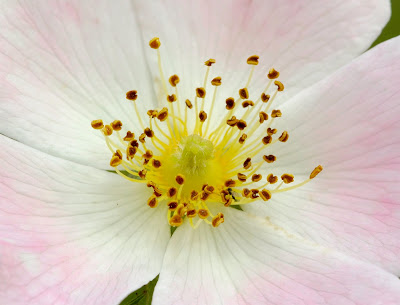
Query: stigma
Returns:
{"type": "Point", "coordinates": [195, 162]}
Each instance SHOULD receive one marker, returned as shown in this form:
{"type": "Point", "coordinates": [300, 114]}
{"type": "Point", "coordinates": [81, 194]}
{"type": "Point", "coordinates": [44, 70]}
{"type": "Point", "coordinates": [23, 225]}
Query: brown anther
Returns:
{"type": "Point", "coordinates": [232, 121]}
{"type": "Point", "coordinates": [155, 43]}
{"type": "Point", "coordinates": [181, 209]}
{"type": "Point", "coordinates": [284, 136]}
{"type": "Point", "coordinates": [152, 113]}
{"type": "Point", "coordinates": [145, 161]}
{"type": "Point", "coordinates": [253, 60]}
{"type": "Point", "coordinates": [202, 116]}
{"type": "Point", "coordinates": [247, 103]}
{"type": "Point", "coordinates": [230, 183]}
{"type": "Point", "coordinates": [256, 177]}
{"type": "Point", "coordinates": [265, 97]}
{"type": "Point", "coordinates": [246, 192]}
{"type": "Point", "coordinates": [223, 194]}
{"type": "Point", "coordinates": [142, 138]}
{"type": "Point", "coordinates": [244, 93]}
{"type": "Point", "coordinates": [217, 220]}
{"type": "Point", "coordinates": [162, 114]}
{"type": "Point", "coordinates": [242, 138]}
{"type": "Point", "coordinates": [156, 163]}
{"type": "Point", "coordinates": [276, 113]}
{"type": "Point", "coordinates": [129, 136]}
{"type": "Point", "coordinates": [172, 205]}
{"type": "Point", "coordinates": [263, 117]}
{"type": "Point", "coordinates": [230, 103]}
{"type": "Point", "coordinates": [203, 213]}
{"type": "Point", "coordinates": [316, 171]}
{"type": "Point", "coordinates": [115, 161]}
{"type": "Point", "coordinates": [254, 193]}
{"type": "Point", "coordinates": [204, 195]}
{"type": "Point", "coordinates": [157, 192]}
{"type": "Point", "coordinates": [175, 221]}
{"type": "Point", "coordinates": [273, 74]}
{"type": "Point", "coordinates": [204, 186]}
{"type": "Point", "coordinates": [241, 124]}
{"type": "Point", "coordinates": [142, 173]}
{"type": "Point", "coordinates": [107, 130]}
{"type": "Point", "coordinates": [209, 189]}
{"type": "Point", "coordinates": [131, 95]}
{"type": "Point", "coordinates": [242, 177]}
{"type": "Point", "coordinates": [269, 158]}
{"type": "Point", "coordinates": [134, 143]}
{"type": "Point", "coordinates": [228, 200]}
{"type": "Point", "coordinates": [97, 124]}
{"type": "Point", "coordinates": [272, 179]}
{"type": "Point", "coordinates": [131, 151]}
{"type": "Point", "coordinates": [172, 192]}
{"type": "Point", "coordinates": [247, 163]}
{"type": "Point", "coordinates": [171, 98]}
{"type": "Point", "coordinates": [150, 184]}
{"type": "Point", "coordinates": [200, 92]}
{"type": "Point", "coordinates": [271, 131]}
{"type": "Point", "coordinates": [279, 85]}
{"type": "Point", "coordinates": [152, 201]}
{"type": "Point", "coordinates": [265, 195]}
{"type": "Point", "coordinates": [180, 179]}
{"type": "Point", "coordinates": [174, 80]}
{"type": "Point", "coordinates": [266, 140]}
{"type": "Point", "coordinates": [148, 132]}
{"type": "Point", "coordinates": [191, 212]}
{"type": "Point", "coordinates": [193, 195]}
{"type": "Point", "coordinates": [209, 62]}
{"type": "Point", "coordinates": [116, 125]}
{"type": "Point", "coordinates": [287, 178]}
{"type": "Point", "coordinates": [216, 81]}
{"type": "Point", "coordinates": [189, 104]}
{"type": "Point", "coordinates": [148, 155]}
{"type": "Point", "coordinates": [118, 153]}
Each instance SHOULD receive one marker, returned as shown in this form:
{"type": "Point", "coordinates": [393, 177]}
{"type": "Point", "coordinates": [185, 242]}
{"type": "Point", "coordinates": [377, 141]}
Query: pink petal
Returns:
{"type": "Point", "coordinates": [247, 260]}
{"type": "Point", "coordinates": [71, 234]}
{"type": "Point", "coordinates": [64, 64]}
{"type": "Point", "coordinates": [350, 124]}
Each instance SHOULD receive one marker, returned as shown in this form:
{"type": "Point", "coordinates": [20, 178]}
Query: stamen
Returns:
{"type": "Point", "coordinates": [97, 124]}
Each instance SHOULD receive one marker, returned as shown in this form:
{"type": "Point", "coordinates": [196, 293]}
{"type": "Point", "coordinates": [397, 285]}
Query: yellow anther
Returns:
{"type": "Point", "coordinates": [194, 195]}
{"type": "Point", "coordinates": [129, 136]}
{"type": "Point", "coordinates": [244, 93]}
{"type": "Point", "coordinates": [276, 113]}
{"type": "Point", "coordinates": [271, 131]}
{"type": "Point", "coordinates": [247, 103]}
{"type": "Point", "coordinates": [279, 85]}
{"type": "Point", "coordinates": [284, 136]}
{"type": "Point", "coordinates": [118, 153]}
{"type": "Point", "coordinates": [246, 192]}
{"type": "Point", "coordinates": [142, 173]}
{"type": "Point", "coordinates": [230, 103]}
{"type": "Point", "coordinates": [230, 183]}
{"type": "Point", "coordinates": [97, 124]}
{"type": "Point", "coordinates": [156, 163]}
{"type": "Point", "coordinates": [189, 104]}
{"type": "Point", "coordinates": [266, 140]}
{"type": "Point", "coordinates": [203, 213]}
{"type": "Point", "coordinates": [175, 221]}
{"type": "Point", "coordinates": [209, 189]}
{"type": "Point", "coordinates": [152, 113]}
{"type": "Point", "coordinates": [265, 97]}
{"type": "Point", "coordinates": [204, 195]}
{"type": "Point", "coordinates": [145, 161]}
{"type": "Point", "coordinates": [265, 194]}
{"type": "Point", "coordinates": [191, 212]}
{"type": "Point", "coordinates": [115, 161]}
{"type": "Point", "coordinates": [131, 95]}
{"type": "Point", "coordinates": [247, 163]}
{"type": "Point", "coordinates": [171, 98]}
{"type": "Point", "coordinates": [162, 114]}
{"type": "Point", "coordinates": [172, 205]}
{"type": "Point", "coordinates": [149, 133]}
{"type": "Point", "coordinates": [155, 43]}
{"type": "Point", "coordinates": [272, 179]}
{"type": "Point", "coordinates": [174, 80]}
{"type": "Point", "coordinates": [142, 138]}
{"type": "Point", "coordinates": [269, 158]}
{"type": "Point", "coordinates": [200, 92]}
{"type": "Point", "coordinates": [316, 171]}
{"type": "Point", "coordinates": [148, 155]}
{"type": "Point", "coordinates": [256, 177]}
{"type": "Point", "coordinates": [242, 177]}
{"type": "Point", "coordinates": [180, 179]}
{"type": "Point", "coordinates": [181, 209]}
{"type": "Point", "coordinates": [253, 60]}
{"type": "Point", "coordinates": [107, 130]}
{"type": "Point", "coordinates": [210, 62]}
{"type": "Point", "coordinates": [131, 151]}
{"type": "Point", "coordinates": [217, 220]}
{"type": "Point", "coordinates": [172, 192]}
{"type": "Point", "coordinates": [232, 121]}
{"type": "Point", "coordinates": [241, 124]}
{"type": "Point", "coordinates": [254, 193]}
{"type": "Point", "coordinates": [263, 117]}
{"type": "Point", "coordinates": [157, 192]}
{"type": "Point", "coordinates": [242, 138]}
{"type": "Point", "coordinates": [216, 81]}
{"type": "Point", "coordinates": [273, 74]}
{"type": "Point", "coordinates": [202, 116]}
{"type": "Point", "coordinates": [116, 125]}
{"type": "Point", "coordinates": [152, 201]}
{"type": "Point", "coordinates": [287, 178]}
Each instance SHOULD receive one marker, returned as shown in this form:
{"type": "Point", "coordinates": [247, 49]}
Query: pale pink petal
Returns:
{"type": "Point", "coordinates": [304, 40]}
{"type": "Point", "coordinates": [349, 123]}
{"type": "Point", "coordinates": [247, 260]}
{"type": "Point", "coordinates": [71, 234]}
{"type": "Point", "coordinates": [63, 64]}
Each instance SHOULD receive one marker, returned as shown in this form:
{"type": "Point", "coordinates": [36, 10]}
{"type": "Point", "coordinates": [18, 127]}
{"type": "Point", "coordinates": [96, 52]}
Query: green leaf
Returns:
{"type": "Point", "coordinates": [142, 296]}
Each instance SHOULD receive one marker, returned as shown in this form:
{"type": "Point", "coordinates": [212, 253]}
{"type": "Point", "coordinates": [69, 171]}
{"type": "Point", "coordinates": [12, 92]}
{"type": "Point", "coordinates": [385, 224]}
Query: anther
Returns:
{"type": "Point", "coordinates": [244, 93]}
{"type": "Point", "coordinates": [266, 140]}
{"type": "Point", "coordinates": [172, 192]}
{"type": "Point", "coordinates": [129, 136]}
{"type": "Point", "coordinates": [230, 103]}
{"type": "Point", "coordinates": [263, 117]}
{"type": "Point", "coordinates": [152, 113]}
{"type": "Point", "coordinates": [200, 92]}
{"type": "Point", "coordinates": [118, 154]}
{"type": "Point", "coordinates": [145, 161]}
{"type": "Point", "coordinates": [202, 116]}
{"type": "Point", "coordinates": [284, 136]}
{"type": "Point", "coordinates": [209, 62]}
{"type": "Point", "coordinates": [246, 192]}
{"type": "Point", "coordinates": [287, 178]}
{"type": "Point", "coordinates": [242, 138]}
{"type": "Point", "coordinates": [279, 85]}
{"type": "Point", "coordinates": [216, 81]}
{"type": "Point", "coordinates": [157, 192]}
{"type": "Point", "coordinates": [189, 104]}
{"type": "Point", "coordinates": [217, 220]}
{"type": "Point", "coordinates": [265, 97]}
{"type": "Point", "coordinates": [134, 143]}
{"type": "Point", "coordinates": [142, 138]}
{"type": "Point", "coordinates": [272, 179]}
{"type": "Point", "coordinates": [174, 80]}
{"type": "Point", "coordinates": [247, 103]}
{"type": "Point", "coordinates": [203, 213]}
{"type": "Point", "coordinates": [175, 221]}
{"type": "Point", "coordinates": [115, 161]}
{"type": "Point", "coordinates": [116, 125]}
{"type": "Point", "coordinates": [193, 195]}
{"type": "Point", "coordinates": [171, 98]}
{"type": "Point", "coordinates": [162, 114]}
{"type": "Point", "coordinates": [152, 201]}
{"type": "Point", "coordinates": [232, 121]}
{"type": "Point", "coordinates": [155, 43]}
{"type": "Point", "coordinates": [209, 189]}
{"type": "Point", "coordinates": [131, 151]}
{"type": "Point", "coordinates": [148, 155]}
{"type": "Point", "coordinates": [242, 177]}
{"type": "Point", "coordinates": [253, 60]}
{"type": "Point", "coordinates": [204, 195]}
{"type": "Point", "coordinates": [273, 74]}
{"type": "Point", "coordinates": [181, 209]}
{"type": "Point", "coordinates": [276, 113]}
{"type": "Point", "coordinates": [265, 195]}
{"type": "Point", "coordinates": [172, 205]}
{"type": "Point", "coordinates": [271, 131]}
{"type": "Point", "coordinates": [191, 212]}
{"type": "Point", "coordinates": [142, 173]}
{"type": "Point", "coordinates": [256, 177]}
{"type": "Point", "coordinates": [107, 130]}
{"type": "Point", "coordinates": [156, 163]}
{"type": "Point", "coordinates": [247, 163]}
{"type": "Point", "coordinates": [148, 132]}
{"type": "Point", "coordinates": [241, 124]}
{"type": "Point", "coordinates": [316, 171]}
{"type": "Point", "coordinates": [230, 183]}
{"type": "Point", "coordinates": [132, 95]}
{"type": "Point", "coordinates": [180, 179]}
{"type": "Point", "coordinates": [254, 193]}
{"type": "Point", "coordinates": [269, 158]}
{"type": "Point", "coordinates": [97, 124]}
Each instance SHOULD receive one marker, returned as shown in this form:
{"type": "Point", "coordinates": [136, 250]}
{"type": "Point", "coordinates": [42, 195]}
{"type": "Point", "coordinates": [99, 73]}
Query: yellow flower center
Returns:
{"type": "Point", "coordinates": [192, 168]}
